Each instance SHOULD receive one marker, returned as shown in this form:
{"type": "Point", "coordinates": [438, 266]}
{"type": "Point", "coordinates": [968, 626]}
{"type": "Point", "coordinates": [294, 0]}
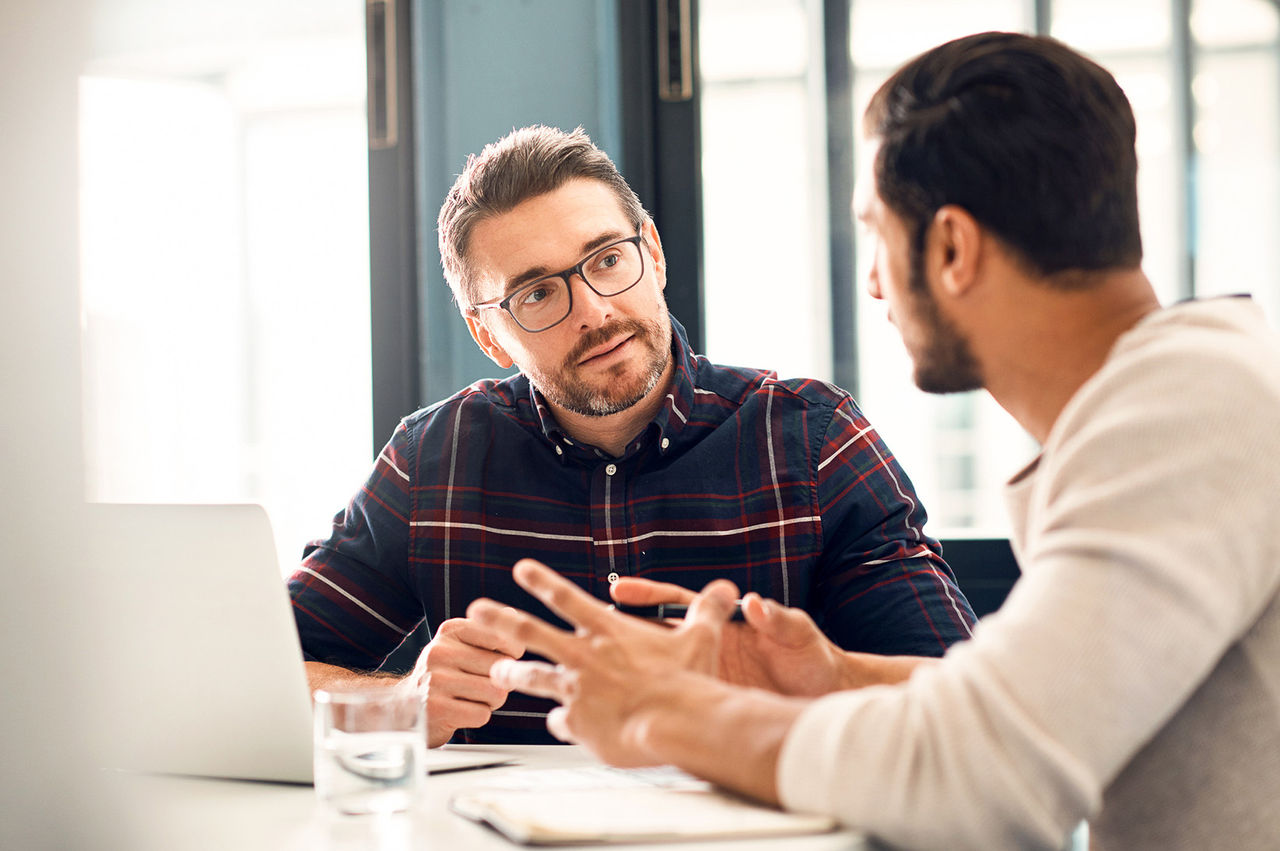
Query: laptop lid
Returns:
{"type": "Point", "coordinates": [199, 657]}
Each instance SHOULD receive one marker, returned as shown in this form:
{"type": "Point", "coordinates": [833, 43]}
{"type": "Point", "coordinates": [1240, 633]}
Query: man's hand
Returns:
{"type": "Point", "coordinates": [614, 669]}
{"type": "Point", "coordinates": [452, 674]}
{"type": "Point", "coordinates": [777, 648]}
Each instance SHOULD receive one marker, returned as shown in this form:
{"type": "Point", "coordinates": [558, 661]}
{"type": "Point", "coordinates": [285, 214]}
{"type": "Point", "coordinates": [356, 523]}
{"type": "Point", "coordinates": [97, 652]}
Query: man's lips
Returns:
{"type": "Point", "coordinates": [606, 349]}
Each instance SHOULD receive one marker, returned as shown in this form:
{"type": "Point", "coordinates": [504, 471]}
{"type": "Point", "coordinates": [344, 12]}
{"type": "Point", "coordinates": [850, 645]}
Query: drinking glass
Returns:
{"type": "Point", "coordinates": [370, 749]}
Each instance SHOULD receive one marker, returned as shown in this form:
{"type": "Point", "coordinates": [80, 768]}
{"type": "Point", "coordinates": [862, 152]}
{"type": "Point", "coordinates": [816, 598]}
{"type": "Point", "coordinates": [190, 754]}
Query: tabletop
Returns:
{"type": "Point", "coordinates": [198, 813]}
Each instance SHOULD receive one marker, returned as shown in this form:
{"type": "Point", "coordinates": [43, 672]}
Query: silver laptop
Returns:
{"type": "Point", "coordinates": [197, 668]}
{"type": "Point", "coordinates": [198, 644]}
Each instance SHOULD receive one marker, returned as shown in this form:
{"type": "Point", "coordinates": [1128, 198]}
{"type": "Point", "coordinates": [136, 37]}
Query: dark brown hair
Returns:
{"type": "Point", "coordinates": [521, 165]}
{"type": "Point", "coordinates": [1034, 140]}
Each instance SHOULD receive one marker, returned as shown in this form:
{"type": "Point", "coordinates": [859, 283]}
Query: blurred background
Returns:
{"type": "Point", "coordinates": [221, 282]}
{"type": "Point", "coordinates": [239, 226]}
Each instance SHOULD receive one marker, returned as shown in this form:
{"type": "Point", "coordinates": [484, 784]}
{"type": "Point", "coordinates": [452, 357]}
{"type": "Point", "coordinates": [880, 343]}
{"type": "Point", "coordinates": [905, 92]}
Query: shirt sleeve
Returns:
{"type": "Point", "coordinates": [1134, 587]}
{"type": "Point", "coordinates": [884, 584]}
{"type": "Point", "coordinates": [350, 599]}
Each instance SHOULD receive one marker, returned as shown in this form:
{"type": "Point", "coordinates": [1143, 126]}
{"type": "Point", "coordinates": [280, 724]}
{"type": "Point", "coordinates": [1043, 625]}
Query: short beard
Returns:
{"type": "Point", "coordinates": [946, 364]}
{"type": "Point", "coordinates": [573, 394]}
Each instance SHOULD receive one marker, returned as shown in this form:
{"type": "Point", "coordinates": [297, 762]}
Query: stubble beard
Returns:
{"type": "Point", "coordinates": [568, 389]}
{"type": "Point", "coordinates": [946, 363]}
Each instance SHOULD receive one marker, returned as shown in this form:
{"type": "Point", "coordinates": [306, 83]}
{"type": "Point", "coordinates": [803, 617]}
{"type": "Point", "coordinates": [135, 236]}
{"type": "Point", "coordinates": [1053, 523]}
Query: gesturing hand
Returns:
{"type": "Point", "coordinates": [612, 669]}
{"type": "Point", "coordinates": [777, 648]}
{"type": "Point", "coordinates": [452, 673]}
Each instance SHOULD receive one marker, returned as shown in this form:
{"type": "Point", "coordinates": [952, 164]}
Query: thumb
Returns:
{"type": "Point", "coordinates": [786, 626]}
{"type": "Point", "coordinates": [714, 605]}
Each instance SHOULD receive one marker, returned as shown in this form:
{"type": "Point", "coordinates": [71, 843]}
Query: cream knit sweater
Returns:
{"type": "Point", "coordinates": [1133, 675]}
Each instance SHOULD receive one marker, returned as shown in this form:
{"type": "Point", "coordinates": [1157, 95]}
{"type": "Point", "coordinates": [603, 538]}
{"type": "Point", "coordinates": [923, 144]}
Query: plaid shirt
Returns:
{"type": "Point", "coordinates": [781, 486]}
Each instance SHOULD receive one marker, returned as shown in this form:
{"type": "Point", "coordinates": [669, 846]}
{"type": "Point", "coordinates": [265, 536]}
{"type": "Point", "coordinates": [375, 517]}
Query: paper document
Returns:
{"type": "Point", "coordinates": [601, 805]}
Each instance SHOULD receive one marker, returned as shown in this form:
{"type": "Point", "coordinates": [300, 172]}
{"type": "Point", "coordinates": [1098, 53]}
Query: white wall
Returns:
{"type": "Point", "coordinates": [44, 606]}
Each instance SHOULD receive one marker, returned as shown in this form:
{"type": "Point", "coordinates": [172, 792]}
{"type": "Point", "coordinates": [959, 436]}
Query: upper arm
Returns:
{"type": "Point", "coordinates": [882, 584]}
{"type": "Point", "coordinates": [350, 598]}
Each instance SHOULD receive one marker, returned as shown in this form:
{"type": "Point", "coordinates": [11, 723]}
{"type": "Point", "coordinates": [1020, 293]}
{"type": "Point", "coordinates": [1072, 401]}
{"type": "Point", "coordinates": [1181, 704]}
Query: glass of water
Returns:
{"type": "Point", "coordinates": [370, 749]}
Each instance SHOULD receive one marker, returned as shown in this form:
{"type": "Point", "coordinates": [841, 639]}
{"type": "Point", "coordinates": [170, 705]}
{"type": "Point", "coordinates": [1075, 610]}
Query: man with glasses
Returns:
{"type": "Point", "coordinates": [614, 452]}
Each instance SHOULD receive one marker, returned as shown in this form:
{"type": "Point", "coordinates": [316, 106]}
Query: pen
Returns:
{"type": "Point", "coordinates": [663, 611]}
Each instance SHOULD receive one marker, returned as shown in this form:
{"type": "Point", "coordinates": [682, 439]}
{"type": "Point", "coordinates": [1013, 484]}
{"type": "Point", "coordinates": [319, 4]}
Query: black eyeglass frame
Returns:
{"type": "Point", "coordinates": [575, 269]}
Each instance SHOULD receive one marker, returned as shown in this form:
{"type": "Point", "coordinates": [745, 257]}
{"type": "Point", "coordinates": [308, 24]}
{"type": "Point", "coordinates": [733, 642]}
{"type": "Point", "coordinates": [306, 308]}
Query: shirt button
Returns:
{"type": "Point", "coordinates": [559, 451]}
{"type": "Point", "coordinates": [613, 577]}
{"type": "Point", "coordinates": [611, 469]}
{"type": "Point", "coordinates": [665, 443]}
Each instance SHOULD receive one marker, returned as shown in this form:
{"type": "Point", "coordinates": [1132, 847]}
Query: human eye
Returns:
{"type": "Point", "coordinates": [607, 260]}
{"type": "Point", "coordinates": [537, 293]}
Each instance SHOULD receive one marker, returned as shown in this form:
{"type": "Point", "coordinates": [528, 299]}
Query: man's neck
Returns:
{"type": "Point", "coordinates": [1048, 342]}
{"type": "Point", "coordinates": [613, 432]}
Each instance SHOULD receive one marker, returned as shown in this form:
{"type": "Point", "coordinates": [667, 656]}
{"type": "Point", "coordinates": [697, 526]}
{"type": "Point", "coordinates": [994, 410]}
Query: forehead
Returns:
{"type": "Point", "coordinates": [547, 232]}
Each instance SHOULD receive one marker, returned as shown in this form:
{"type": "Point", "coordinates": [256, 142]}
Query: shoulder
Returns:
{"type": "Point", "coordinates": [488, 398]}
{"type": "Point", "coordinates": [1207, 365]}
{"type": "Point", "coordinates": [740, 386]}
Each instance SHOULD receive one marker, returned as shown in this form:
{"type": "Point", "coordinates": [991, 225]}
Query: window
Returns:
{"type": "Point", "coordinates": [1206, 93]}
{"type": "Point", "coordinates": [225, 261]}
{"type": "Point", "coordinates": [763, 178]}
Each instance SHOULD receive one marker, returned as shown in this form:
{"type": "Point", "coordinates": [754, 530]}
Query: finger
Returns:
{"type": "Point", "coordinates": [714, 605]}
{"type": "Point", "coordinates": [467, 659]}
{"type": "Point", "coordinates": [536, 678]}
{"type": "Point", "coordinates": [560, 595]}
{"type": "Point", "coordinates": [444, 716]}
{"type": "Point", "coordinates": [634, 591]}
{"type": "Point", "coordinates": [484, 637]}
{"type": "Point", "coordinates": [534, 634]}
{"type": "Point", "coordinates": [753, 611]}
{"type": "Point", "coordinates": [476, 688]}
{"type": "Point", "coordinates": [558, 724]}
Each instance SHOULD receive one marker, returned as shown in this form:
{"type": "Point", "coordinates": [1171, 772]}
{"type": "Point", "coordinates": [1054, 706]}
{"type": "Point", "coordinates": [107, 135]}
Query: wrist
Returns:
{"type": "Point", "coordinates": [728, 734]}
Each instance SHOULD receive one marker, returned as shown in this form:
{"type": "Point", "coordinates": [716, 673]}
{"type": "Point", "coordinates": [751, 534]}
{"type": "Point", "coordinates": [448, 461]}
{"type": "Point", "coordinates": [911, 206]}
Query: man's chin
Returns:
{"type": "Point", "coordinates": [605, 403]}
{"type": "Point", "coordinates": [942, 382]}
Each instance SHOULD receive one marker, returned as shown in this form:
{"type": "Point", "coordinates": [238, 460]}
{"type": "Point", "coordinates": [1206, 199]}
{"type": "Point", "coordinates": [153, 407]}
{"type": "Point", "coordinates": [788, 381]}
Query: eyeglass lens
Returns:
{"type": "Point", "coordinates": [546, 301]}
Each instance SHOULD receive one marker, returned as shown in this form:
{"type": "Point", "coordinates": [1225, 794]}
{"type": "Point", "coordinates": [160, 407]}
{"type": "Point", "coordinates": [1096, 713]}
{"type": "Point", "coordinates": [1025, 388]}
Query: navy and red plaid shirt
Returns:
{"type": "Point", "coordinates": [781, 486]}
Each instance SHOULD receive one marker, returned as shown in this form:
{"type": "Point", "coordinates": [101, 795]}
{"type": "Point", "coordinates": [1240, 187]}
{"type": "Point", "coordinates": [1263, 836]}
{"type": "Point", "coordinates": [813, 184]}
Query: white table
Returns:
{"type": "Point", "coordinates": [194, 813]}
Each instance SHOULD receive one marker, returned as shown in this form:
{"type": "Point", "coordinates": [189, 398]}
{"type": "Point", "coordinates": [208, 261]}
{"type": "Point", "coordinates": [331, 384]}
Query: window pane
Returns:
{"type": "Point", "coordinates": [1099, 26]}
{"type": "Point", "coordinates": [764, 186]}
{"type": "Point", "coordinates": [886, 33]}
{"type": "Point", "coordinates": [1237, 136]}
{"type": "Point", "coordinates": [225, 284]}
{"type": "Point", "coordinates": [1230, 23]}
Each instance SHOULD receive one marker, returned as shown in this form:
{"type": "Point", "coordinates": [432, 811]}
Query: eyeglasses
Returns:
{"type": "Point", "coordinates": [548, 301]}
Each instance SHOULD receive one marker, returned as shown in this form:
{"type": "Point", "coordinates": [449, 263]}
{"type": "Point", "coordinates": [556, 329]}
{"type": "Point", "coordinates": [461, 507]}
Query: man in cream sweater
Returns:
{"type": "Point", "coordinates": [1132, 678]}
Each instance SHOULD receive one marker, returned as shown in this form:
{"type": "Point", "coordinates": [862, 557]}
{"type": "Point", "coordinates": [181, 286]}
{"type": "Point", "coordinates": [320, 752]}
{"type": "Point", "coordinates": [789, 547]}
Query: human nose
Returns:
{"type": "Point", "coordinates": [590, 309]}
{"type": "Point", "coordinates": [873, 276]}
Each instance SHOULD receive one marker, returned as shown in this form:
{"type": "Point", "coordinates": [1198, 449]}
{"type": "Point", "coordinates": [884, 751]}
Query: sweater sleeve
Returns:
{"type": "Point", "coordinates": [1146, 556]}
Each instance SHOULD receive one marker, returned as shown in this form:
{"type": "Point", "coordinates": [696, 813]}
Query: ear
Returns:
{"type": "Point", "coordinates": [485, 340]}
{"type": "Point", "coordinates": [954, 249]}
{"type": "Point", "coordinates": [654, 244]}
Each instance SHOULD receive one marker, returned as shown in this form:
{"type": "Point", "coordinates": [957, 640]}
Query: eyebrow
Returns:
{"type": "Point", "coordinates": [535, 272]}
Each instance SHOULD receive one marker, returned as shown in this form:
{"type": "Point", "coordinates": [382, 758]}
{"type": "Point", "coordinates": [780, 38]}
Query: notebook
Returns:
{"type": "Point", "coordinates": [602, 805]}
{"type": "Point", "coordinates": [198, 669]}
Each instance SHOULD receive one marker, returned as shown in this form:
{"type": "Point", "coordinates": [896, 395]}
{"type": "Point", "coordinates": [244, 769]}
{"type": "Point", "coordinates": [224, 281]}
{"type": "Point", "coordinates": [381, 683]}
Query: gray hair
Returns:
{"type": "Point", "coordinates": [524, 164]}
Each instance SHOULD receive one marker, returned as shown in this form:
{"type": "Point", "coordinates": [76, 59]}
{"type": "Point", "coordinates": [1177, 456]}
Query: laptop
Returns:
{"type": "Point", "coordinates": [197, 668]}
